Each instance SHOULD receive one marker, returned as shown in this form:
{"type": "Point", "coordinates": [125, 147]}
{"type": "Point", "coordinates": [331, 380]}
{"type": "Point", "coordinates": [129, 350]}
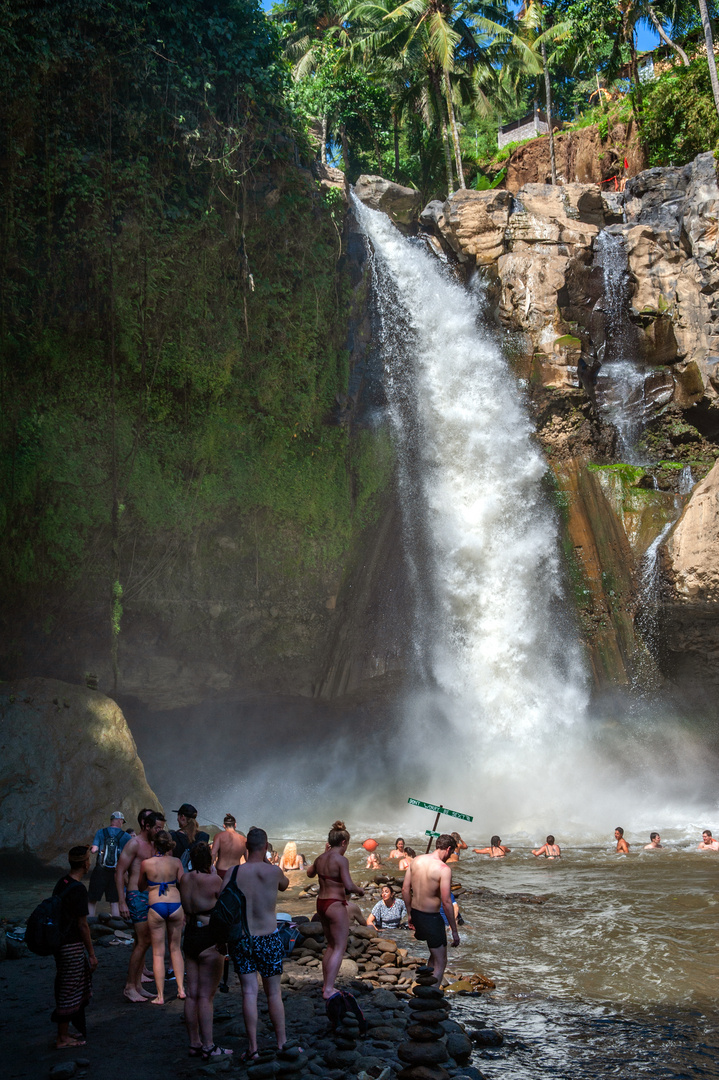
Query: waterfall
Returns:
{"type": "Point", "coordinates": [483, 542]}
{"type": "Point", "coordinates": [620, 383]}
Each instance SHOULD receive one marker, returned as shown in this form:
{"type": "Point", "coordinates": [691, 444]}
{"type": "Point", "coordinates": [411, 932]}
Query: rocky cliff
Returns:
{"type": "Point", "coordinates": [593, 285]}
{"type": "Point", "coordinates": [67, 761]}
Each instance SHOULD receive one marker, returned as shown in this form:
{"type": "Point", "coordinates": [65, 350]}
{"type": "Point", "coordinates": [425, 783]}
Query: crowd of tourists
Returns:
{"type": "Point", "coordinates": [209, 904]}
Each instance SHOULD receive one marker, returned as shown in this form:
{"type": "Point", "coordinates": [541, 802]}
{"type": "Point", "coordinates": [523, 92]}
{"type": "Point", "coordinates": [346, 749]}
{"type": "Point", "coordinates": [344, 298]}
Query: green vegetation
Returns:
{"type": "Point", "coordinates": [679, 116]}
{"type": "Point", "coordinates": [173, 312]}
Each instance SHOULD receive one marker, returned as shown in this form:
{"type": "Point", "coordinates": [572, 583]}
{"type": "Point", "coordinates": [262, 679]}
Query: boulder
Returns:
{"type": "Point", "coordinates": [423, 1072]}
{"type": "Point", "coordinates": [385, 999]}
{"type": "Point", "coordinates": [474, 223]}
{"type": "Point", "coordinates": [692, 550]}
{"type": "Point", "coordinates": [401, 204]}
{"type": "Point", "coordinates": [331, 179]}
{"type": "Point", "coordinates": [68, 760]}
{"type": "Point", "coordinates": [459, 1046]}
{"type": "Point", "coordinates": [426, 1053]}
{"type": "Point", "coordinates": [348, 968]}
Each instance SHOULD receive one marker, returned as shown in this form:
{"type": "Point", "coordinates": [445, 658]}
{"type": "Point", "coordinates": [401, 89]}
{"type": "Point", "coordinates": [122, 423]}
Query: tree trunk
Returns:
{"type": "Point", "coordinates": [710, 52]}
{"type": "Point", "coordinates": [548, 105]}
{"type": "Point", "coordinates": [455, 133]}
{"type": "Point", "coordinates": [345, 149]}
{"type": "Point", "coordinates": [434, 79]}
{"type": "Point", "coordinates": [395, 125]}
{"type": "Point", "coordinates": [665, 37]}
{"type": "Point", "coordinates": [323, 143]}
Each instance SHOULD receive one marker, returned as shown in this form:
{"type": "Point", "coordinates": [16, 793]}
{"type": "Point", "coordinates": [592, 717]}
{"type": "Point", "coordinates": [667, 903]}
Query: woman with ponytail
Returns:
{"type": "Point", "coordinates": [333, 872]}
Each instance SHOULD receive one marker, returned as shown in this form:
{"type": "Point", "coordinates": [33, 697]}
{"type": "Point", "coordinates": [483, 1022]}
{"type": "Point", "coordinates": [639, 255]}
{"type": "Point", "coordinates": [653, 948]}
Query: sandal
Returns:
{"type": "Point", "coordinates": [250, 1056]}
{"type": "Point", "coordinates": [194, 1051]}
{"type": "Point", "coordinates": [215, 1051]}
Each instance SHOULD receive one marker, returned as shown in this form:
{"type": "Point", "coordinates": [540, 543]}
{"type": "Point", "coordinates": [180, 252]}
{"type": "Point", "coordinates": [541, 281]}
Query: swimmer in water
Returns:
{"type": "Point", "coordinates": [398, 850]}
{"type": "Point", "coordinates": [496, 849]}
{"type": "Point", "coordinates": [373, 861]}
{"type": "Point", "coordinates": [708, 842]}
{"type": "Point", "coordinates": [655, 842]}
{"type": "Point", "coordinates": [622, 845]}
{"type": "Point", "coordinates": [550, 850]}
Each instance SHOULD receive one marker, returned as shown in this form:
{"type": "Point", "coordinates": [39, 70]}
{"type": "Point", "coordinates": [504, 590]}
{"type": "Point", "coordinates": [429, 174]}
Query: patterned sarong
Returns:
{"type": "Point", "coordinates": [73, 981]}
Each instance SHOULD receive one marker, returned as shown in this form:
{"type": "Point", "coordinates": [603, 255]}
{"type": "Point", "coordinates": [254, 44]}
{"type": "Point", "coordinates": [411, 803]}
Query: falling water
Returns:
{"type": "Point", "coordinates": [490, 614]}
{"type": "Point", "coordinates": [501, 708]}
{"type": "Point", "coordinates": [620, 384]}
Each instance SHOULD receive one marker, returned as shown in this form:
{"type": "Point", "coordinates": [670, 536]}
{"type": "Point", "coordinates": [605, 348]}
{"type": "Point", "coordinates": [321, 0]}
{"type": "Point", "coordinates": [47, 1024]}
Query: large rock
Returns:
{"type": "Point", "coordinates": [400, 203]}
{"type": "Point", "coordinates": [474, 223]}
{"type": "Point", "coordinates": [67, 760]}
{"type": "Point", "coordinates": [692, 551]}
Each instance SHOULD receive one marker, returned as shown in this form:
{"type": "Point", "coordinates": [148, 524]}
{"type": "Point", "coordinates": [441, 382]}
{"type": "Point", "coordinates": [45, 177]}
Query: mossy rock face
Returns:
{"type": "Point", "coordinates": [568, 341]}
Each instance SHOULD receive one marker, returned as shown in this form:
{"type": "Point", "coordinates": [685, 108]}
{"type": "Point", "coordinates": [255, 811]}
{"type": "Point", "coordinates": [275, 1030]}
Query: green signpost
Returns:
{"type": "Point", "coordinates": [439, 810]}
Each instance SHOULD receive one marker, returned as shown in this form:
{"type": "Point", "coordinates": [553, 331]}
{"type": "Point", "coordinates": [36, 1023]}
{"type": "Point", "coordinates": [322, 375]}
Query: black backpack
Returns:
{"type": "Point", "coordinates": [110, 851]}
{"type": "Point", "coordinates": [228, 920]}
{"type": "Point", "coordinates": [49, 928]}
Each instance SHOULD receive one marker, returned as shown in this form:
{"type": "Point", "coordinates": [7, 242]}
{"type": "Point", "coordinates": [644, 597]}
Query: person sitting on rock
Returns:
{"type": "Point", "coordinates": [496, 849]}
{"type": "Point", "coordinates": [398, 850]}
{"type": "Point", "coordinates": [229, 848]}
{"type": "Point", "coordinates": [461, 846]}
{"type": "Point", "coordinates": [107, 845]}
{"type": "Point", "coordinates": [549, 850]}
{"type": "Point", "coordinates": [708, 842]}
{"type": "Point", "coordinates": [409, 854]}
{"type": "Point", "coordinates": [389, 912]}
{"type": "Point", "coordinates": [75, 960]}
{"type": "Point", "coordinates": [291, 859]}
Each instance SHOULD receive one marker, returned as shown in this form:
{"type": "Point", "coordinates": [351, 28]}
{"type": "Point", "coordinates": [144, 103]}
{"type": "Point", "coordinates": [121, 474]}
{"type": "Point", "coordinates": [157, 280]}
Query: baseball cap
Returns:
{"type": "Point", "coordinates": [187, 810]}
{"type": "Point", "coordinates": [118, 814]}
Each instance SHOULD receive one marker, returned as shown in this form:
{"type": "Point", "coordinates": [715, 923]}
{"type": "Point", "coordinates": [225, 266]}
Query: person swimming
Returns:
{"type": "Point", "coordinates": [549, 850]}
{"type": "Point", "coordinates": [496, 849]}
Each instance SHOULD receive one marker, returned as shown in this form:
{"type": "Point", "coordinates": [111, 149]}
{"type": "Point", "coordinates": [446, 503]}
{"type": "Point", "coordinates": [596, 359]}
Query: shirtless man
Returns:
{"type": "Point", "coordinates": [622, 845]}
{"type": "Point", "coordinates": [708, 842]}
{"type": "Point", "coordinates": [550, 850]}
{"type": "Point", "coordinates": [229, 847]}
{"type": "Point", "coordinates": [655, 842]}
{"type": "Point", "coordinates": [427, 886]}
{"type": "Point", "coordinates": [133, 902]}
{"type": "Point", "coordinates": [263, 950]}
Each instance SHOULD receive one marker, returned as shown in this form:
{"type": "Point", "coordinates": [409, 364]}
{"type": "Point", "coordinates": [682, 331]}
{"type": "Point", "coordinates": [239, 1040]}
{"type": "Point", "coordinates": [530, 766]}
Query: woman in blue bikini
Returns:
{"type": "Point", "coordinates": [160, 876]}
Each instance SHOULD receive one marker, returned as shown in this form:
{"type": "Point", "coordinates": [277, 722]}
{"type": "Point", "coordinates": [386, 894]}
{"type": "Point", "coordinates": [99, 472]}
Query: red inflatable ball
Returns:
{"type": "Point", "coordinates": [370, 845]}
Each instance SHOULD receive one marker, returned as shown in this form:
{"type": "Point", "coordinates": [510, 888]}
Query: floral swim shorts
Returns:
{"type": "Point", "coordinates": [137, 905]}
{"type": "Point", "coordinates": [263, 954]}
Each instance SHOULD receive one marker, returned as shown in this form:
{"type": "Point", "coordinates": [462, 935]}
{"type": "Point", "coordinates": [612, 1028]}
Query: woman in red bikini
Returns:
{"type": "Point", "coordinates": [333, 872]}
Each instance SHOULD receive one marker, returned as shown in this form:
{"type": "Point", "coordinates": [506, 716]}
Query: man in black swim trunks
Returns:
{"type": "Point", "coordinates": [427, 887]}
{"type": "Point", "coordinates": [263, 951]}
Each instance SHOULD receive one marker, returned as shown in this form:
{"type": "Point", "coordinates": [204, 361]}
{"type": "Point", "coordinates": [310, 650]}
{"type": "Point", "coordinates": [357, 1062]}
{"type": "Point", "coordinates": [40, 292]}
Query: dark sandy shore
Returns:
{"type": "Point", "coordinates": [130, 1042]}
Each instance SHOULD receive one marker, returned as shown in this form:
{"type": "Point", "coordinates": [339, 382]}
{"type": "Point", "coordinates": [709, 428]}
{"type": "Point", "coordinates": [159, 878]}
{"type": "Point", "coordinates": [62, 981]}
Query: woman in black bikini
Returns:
{"type": "Point", "coordinates": [496, 849]}
{"type": "Point", "coordinates": [160, 875]}
{"type": "Point", "coordinates": [333, 872]}
{"type": "Point", "coordinates": [199, 889]}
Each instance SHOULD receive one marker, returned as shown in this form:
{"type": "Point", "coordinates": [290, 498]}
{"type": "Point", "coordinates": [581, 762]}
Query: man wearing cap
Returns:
{"type": "Point", "coordinates": [189, 832]}
{"type": "Point", "coordinates": [107, 845]}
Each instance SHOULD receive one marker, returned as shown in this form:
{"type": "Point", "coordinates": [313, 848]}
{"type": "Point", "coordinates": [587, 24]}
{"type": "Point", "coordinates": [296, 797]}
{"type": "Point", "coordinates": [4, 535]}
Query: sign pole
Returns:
{"type": "Point", "coordinates": [429, 842]}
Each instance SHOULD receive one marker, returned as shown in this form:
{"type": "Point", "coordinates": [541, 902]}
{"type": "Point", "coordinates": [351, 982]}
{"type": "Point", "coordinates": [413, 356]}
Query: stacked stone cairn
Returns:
{"type": "Point", "coordinates": [426, 1051]}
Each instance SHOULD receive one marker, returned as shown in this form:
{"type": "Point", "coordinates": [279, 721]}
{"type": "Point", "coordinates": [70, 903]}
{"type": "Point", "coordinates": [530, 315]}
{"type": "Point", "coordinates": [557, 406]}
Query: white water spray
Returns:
{"type": "Point", "coordinates": [503, 701]}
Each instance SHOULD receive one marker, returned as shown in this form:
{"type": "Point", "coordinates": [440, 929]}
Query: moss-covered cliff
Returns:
{"type": "Point", "coordinates": [174, 357]}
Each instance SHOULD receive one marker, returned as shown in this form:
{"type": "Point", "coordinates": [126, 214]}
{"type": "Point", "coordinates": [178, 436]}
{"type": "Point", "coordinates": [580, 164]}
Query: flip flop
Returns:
{"type": "Point", "coordinates": [336, 1008]}
{"type": "Point", "coordinates": [352, 1006]}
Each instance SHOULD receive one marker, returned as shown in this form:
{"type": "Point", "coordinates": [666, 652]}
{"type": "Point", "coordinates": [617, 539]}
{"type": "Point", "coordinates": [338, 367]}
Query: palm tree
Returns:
{"type": "Point", "coordinates": [451, 39]}
{"type": "Point", "coordinates": [710, 51]}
